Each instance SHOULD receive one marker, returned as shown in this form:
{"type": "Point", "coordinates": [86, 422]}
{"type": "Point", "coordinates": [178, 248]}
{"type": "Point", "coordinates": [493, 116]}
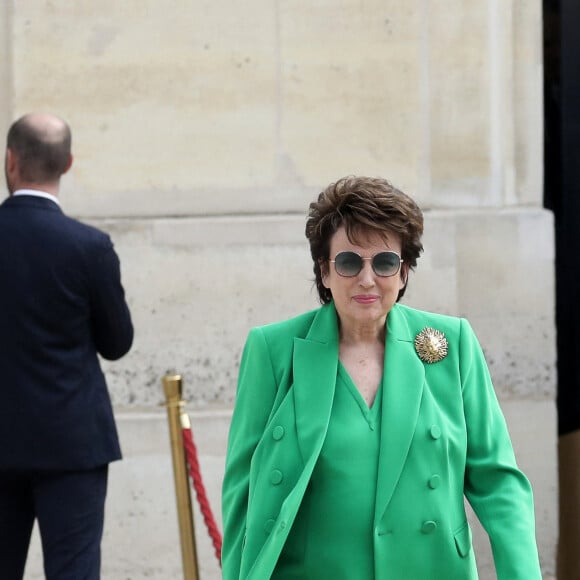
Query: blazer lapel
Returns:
{"type": "Point", "coordinates": [315, 366]}
{"type": "Point", "coordinates": [315, 362]}
{"type": "Point", "coordinates": [404, 376]}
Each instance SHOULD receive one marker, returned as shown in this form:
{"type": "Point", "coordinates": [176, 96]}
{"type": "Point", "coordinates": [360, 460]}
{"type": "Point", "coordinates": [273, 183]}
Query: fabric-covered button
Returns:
{"type": "Point", "coordinates": [276, 477]}
{"type": "Point", "coordinates": [269, 526]}
{"type": "Point", "coordinates": [434, 481]}
{"type": "Point", "coordinates": [428, 527]}
{"type": "Point", "coordinates": [435, 432]}
{"type": "Point", "coordinates": [278, 433]}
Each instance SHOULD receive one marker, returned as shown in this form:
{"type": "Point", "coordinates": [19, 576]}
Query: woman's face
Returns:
{"type": "Point", "coordinates": [366, 298]}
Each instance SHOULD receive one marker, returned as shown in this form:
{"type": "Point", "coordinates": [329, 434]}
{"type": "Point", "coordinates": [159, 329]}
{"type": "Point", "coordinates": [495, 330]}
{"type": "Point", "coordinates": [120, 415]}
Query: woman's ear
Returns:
{"type": "Point", "coordinates": [324, 271]}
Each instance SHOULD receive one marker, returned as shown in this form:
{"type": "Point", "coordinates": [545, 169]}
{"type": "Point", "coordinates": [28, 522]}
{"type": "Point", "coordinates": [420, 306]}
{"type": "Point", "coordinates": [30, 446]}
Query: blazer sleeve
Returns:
{"type": "Point", "coordinates": [111, 323]}
{"type": "Point", "coordinates": [255, 397]}
{"type": "Point", "coordinates": [498, 491]}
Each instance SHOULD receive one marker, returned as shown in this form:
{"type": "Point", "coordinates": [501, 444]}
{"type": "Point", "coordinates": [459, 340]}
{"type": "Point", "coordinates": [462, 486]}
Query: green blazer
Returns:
{"type": "Point", "coordinates": [443, 437]}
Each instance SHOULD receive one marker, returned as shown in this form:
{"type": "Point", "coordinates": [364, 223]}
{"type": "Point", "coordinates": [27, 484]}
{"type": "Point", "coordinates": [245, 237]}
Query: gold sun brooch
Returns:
{"type": "Point", "coordinates": [431, 345]}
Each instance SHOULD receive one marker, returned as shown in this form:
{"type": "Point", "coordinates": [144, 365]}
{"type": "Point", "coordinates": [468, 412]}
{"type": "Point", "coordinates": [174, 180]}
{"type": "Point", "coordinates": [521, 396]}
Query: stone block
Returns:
{"type": "Point", "coordinates": [359, 113]}
{"type": "Point", "coordinates": [179, 97]}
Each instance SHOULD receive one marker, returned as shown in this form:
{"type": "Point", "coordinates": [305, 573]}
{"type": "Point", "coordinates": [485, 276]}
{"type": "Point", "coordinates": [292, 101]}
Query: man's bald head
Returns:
{"type": "Point", "coordinates": [42, 145]}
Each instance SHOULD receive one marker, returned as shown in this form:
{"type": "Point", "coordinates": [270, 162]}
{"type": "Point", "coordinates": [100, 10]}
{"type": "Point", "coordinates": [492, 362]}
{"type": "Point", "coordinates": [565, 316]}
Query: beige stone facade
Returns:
{"type": "Point", "coordinates": [201, 132]}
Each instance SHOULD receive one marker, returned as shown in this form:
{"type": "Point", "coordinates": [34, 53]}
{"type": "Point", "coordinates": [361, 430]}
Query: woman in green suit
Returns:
{"type": "Point", "coordinates": [359, 427]}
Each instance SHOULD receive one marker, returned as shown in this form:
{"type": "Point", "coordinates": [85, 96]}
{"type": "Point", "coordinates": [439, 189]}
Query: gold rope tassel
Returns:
{"type": "Point", "coordinates": [173, 397]}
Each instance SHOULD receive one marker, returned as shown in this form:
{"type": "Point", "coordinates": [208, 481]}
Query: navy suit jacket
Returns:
{"type": "Point", "coordinates": [61, 303]}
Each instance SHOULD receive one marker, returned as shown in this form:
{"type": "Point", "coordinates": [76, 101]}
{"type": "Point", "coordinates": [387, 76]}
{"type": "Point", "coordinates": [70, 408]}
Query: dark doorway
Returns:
{"type": "Point", "coordinates": [562, 196]}
{"type": "Point", "coordinates": [562, 192]}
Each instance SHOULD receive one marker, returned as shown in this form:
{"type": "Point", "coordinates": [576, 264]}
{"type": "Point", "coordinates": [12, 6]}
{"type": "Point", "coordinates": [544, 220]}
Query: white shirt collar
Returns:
{"type": "Point", "coordinates": [37, 193]}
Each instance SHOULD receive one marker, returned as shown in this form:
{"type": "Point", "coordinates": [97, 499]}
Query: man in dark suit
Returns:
{"type": "Point", "coordinates": [61, 305]}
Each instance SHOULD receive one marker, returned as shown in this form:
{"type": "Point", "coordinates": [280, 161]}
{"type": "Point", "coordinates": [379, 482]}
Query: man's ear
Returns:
{"type": "Point", "coordinates": [69, 164]}
{"type": "Point", "coordinates": [10, 160]}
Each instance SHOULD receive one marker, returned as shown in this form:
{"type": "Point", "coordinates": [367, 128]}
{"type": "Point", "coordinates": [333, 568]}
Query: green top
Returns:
{"type": "Point", "coordinates": [343, 484]}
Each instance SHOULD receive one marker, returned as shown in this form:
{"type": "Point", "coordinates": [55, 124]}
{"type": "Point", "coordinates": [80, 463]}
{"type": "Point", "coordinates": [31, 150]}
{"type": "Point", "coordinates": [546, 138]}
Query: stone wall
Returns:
{"type": "Point", "coordinates": [202, 131]}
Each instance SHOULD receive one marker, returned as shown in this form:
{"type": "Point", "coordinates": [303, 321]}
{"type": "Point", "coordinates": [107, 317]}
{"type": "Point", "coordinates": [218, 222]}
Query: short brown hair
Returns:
{"type": "Point", "coordinates": [44, 155]}
{"type": "Point", "coordinates": [362, 205]}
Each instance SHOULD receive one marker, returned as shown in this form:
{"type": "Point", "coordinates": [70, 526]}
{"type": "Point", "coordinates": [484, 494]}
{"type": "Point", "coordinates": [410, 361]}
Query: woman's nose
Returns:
{"type": "Point", "coordinates": [367, 275]}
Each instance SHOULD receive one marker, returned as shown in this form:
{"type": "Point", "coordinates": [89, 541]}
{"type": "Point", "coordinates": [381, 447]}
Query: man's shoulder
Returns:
{"type": "Point", "coordinates": [44, 212]}
{"type": "Point", "coordinates": [85, 229]}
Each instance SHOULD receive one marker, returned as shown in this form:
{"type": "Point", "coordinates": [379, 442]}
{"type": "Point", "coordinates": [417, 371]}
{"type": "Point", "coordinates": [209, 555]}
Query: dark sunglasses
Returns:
{"type": "Point", "coordinates": [350, 264]}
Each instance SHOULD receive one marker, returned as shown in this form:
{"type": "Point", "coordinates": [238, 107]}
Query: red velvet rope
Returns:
{"type": "Point", "coordinates": [195, 474]}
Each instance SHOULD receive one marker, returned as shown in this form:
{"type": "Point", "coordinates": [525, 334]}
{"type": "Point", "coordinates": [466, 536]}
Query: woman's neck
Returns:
{"type": "Point", "coordinates": [366, 333]}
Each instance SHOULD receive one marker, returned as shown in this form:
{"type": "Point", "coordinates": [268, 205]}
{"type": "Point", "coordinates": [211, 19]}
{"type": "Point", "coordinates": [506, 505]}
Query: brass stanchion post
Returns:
{"type": "Point", "coordinates": [173, 397]}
